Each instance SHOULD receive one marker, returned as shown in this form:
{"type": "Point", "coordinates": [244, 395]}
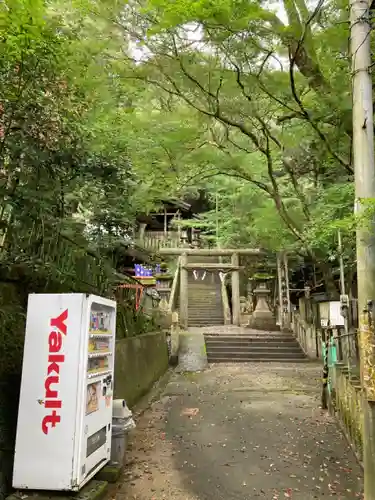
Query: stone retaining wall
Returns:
{"type": "Point", "coordinates": [140, 361]}
{"type": "Point", "coordinates": [307, 336]}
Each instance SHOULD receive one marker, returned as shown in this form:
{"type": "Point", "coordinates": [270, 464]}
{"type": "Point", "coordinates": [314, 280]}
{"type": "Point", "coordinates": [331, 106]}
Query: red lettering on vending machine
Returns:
{"type": "Point", "coordinates": [52, 400]}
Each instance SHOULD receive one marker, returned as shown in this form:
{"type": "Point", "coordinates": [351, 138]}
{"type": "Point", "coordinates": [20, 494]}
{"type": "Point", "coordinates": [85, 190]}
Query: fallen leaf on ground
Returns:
{"type": "Point", "coordinates": [189, 412]}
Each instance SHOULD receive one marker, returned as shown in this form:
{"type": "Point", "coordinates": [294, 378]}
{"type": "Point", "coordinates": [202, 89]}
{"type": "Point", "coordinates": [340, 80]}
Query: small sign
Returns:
{"type": "Point", "coordinates": [95, 441]}
{"type": "Point", "coordinates": [324, 323]}
{"type": "Point", "coordinates": [92, 399]}
{"type": "Point", "coordinates": [222, 276]}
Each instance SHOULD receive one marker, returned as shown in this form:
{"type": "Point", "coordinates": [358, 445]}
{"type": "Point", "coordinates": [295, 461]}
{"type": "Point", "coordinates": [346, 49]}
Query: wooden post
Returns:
{"type": "Point", "coordinates": [142, 230]}
{"type": "Point", "coordinates": [281, 305]}
{"type": "Point", "coordinates": [364, 175]}
{"type": "Point", "coordinates": [178, 228]}
{"type": "Point", "coordinates": [184, 311]}
{"type": "Point", "coordinates": [236, 307]}
{"type": "Point", "coordinates": [286, 275]}
{"type": "Point", "coordinates": [165, 223]}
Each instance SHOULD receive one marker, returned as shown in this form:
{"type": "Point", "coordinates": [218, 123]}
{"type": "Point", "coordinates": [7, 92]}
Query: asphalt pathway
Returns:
{"type": "Point", "coordinates": [240, 432]}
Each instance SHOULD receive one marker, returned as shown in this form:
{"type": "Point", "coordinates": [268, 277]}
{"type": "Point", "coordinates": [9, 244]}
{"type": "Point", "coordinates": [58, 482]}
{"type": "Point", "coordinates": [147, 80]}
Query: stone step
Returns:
{"type": "Point", "coordinates": [202, 289]}
{"type": "Point", "coordinates": [258, 360]}
{"type": "Point", "coordinates": [199, 284]}
{"type": "Point", "coordinates": [209, 322]}
{"type": "Point", "coordinates": [253, 346]}
{"type": "Point", "coordinates": [200, 308]}
{"type": "Point", "coordinates": [206, 318]}
{"type": "Point", "coordinates": [249, 347]}
{"type": "Point", "coordinates": [206, 294]}
{"type": "Point", "coordinates": [261, 354]}
{"type": "Point", "coordinates": [255, 349]}
{"type": "Point", "coordinates": [205, 313]}
{"type": "Point", "coordinates": [204, 298]}
{"type": "Point", "coordinates": [247, 341]}
{"type": "Point", "coordinates": [206, 283]}
{"type": "Point", "coordinates": [266, 338]}
{"type": "Point", "coordinates": [207, 310]}
{"type": "Point", "coordinates": [205, 307]}
{"type": "Point", "coordinates": [202, 304]}
{"type": "Point", "coordinates": [218, 319]}
{"type": "Point", "coordinates": [203, 293]}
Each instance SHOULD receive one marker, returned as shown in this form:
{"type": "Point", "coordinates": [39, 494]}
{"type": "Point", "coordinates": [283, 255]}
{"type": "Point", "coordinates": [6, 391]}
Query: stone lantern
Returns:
{"type": "Point", "coordinates": [262, 317]}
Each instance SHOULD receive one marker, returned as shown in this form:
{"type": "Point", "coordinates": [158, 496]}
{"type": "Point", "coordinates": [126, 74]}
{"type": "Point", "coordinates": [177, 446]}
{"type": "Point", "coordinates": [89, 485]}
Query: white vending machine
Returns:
{"type": "Point", "coordinates": [65, 409]}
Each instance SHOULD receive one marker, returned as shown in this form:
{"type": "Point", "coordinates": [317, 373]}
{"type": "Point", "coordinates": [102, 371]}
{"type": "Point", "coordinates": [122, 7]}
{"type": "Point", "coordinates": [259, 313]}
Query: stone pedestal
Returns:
{"type": "Point", "coordinates": [262, 317]}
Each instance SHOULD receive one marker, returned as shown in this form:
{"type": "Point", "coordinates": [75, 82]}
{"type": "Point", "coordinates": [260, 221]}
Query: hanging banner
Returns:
{"type": "Point", "coordinates": [196, 275]}
{"type": "Point", "coordinates": [222, 276]}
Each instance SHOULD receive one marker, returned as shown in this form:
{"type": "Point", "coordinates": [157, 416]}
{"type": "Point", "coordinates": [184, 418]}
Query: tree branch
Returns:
{"type": "Point", "coordinates": [306, 114]}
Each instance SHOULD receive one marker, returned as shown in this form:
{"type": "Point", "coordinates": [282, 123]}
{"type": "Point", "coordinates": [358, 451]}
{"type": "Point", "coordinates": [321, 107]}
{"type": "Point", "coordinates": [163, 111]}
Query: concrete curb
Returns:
{"type": "Point", "coordinates": [94, 490]}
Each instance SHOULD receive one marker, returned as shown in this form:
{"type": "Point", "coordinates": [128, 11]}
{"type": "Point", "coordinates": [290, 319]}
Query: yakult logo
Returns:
{"type": "Point", "coordinates": [55, 360]}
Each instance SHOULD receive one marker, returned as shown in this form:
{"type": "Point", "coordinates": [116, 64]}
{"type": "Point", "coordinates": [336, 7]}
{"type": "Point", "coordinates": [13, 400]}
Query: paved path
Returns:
{"type": "Point", "coordinates": [240, 432]}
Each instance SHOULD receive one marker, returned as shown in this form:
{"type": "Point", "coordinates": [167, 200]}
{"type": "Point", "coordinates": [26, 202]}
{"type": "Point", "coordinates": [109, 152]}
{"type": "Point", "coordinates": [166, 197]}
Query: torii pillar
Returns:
{"type": "Point", "coordinates": [184, 295]}
{"type": "Point", "coordinates": [236, 305]}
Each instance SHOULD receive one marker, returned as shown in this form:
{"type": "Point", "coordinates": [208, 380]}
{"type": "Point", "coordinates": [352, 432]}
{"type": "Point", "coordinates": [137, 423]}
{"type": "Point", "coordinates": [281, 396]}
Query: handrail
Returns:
{"type": "Point", "coordinates": [174, 290]}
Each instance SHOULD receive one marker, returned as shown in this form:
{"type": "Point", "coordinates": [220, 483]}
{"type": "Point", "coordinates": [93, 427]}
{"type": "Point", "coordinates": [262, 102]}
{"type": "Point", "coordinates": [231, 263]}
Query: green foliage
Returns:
{"type": "Point", "coordinates": [58, 151]}
{"type": "Point", "coordinates": [272, 111]}
{"type": "Point", "coordinates": [67, 185]}
{"type": "Point", "coordinates": [108, 107]}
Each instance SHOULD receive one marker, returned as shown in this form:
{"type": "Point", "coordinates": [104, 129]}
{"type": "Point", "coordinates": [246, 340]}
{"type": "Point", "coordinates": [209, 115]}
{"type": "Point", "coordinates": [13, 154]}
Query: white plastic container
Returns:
{"type": "Point", "coordinates": [120, 409]}
{"type": "Point", "coordinates": [119, 443]}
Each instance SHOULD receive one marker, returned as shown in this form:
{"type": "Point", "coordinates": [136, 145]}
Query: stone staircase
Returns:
{"type": "Point", "coordinates": [253, 346]}
{"type": "Point", "coordinates": [205, 305]}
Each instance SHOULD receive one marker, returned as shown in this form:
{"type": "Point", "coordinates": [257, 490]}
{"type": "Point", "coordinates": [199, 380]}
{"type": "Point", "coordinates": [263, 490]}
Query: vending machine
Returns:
{"type": "Point", "coordinates": [65, 410]}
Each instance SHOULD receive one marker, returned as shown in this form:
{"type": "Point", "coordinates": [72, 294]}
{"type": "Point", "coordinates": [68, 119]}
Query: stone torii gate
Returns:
{"type": "Point", "coordinates": [232, 267]}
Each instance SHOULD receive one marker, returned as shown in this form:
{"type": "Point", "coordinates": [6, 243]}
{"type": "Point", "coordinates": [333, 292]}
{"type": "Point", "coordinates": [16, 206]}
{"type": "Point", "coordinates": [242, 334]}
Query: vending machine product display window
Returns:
{"type": "Point", "coordinates": [65, 411]}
